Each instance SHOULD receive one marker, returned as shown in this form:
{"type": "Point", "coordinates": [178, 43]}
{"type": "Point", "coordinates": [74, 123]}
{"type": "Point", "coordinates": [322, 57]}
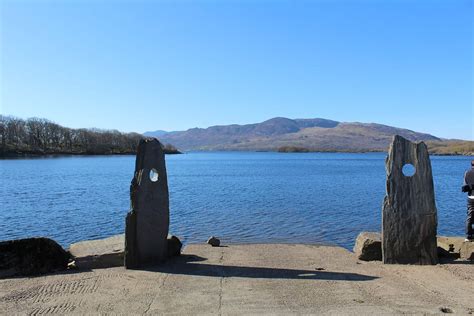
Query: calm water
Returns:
{"type": "Point", "coordinates": [240, 197]}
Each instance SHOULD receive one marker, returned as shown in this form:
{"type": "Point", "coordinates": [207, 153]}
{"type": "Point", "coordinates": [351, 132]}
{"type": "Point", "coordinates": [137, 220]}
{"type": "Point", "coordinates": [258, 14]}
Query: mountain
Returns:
{"type": "Point", "coordinates": [156, 133]}
{"type": "Point", "coordinates": [309, 134]}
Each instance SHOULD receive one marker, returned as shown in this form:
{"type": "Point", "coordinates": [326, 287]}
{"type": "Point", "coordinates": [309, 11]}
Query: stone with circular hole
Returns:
{"type": "Point", "coordinates": [408, 170]}
{"type": "Point", "coordinates": [409, 215]}
{"type": "Point", "coordinates": [154, 175]}
{"type": "Point", "coordinates": [147, 223]}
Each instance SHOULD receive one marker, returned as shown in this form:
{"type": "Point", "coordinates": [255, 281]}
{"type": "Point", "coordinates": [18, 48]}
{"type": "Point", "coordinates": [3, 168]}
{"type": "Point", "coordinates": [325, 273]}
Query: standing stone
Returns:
{"type": "Point", "coordinates": [147, 223]}
{"type": "Point", "coordinates": [409, 216]}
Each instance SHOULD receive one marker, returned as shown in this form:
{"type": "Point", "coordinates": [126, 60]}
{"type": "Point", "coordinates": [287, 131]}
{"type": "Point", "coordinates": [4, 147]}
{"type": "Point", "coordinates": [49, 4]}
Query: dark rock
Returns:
{"type": "Point", "coordinates": [174, 246]}
{"type": "Point", "coordinates": [368, 246]}
{"type": "Point", "coordinates": [213, 241]}
{"type": "Point", "coordinates": [409, 216]}
{"type": "Point", "coordinates": [147, 223]}
{"type": "Point", "coordinates": [443, 253]}
{"type": "Point", "coordinates": [31, 256]}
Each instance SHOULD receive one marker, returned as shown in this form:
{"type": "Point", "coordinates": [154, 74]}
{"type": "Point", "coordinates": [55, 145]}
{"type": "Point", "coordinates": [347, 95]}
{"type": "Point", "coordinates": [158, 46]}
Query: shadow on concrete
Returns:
{"type": "Point", "coordinates": [31, 276]}
{"type": "Point", "coordinates": [191, 265]}
{"type": "Point", "coordinates": [455, 261]}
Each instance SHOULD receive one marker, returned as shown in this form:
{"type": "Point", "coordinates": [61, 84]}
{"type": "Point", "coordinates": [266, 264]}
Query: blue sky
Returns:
{"type": "Point", "coordinates": [173, 65]}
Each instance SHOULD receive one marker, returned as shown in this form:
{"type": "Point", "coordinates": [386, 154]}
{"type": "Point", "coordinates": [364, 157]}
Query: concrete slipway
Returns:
{"type": "Point", "coordinates": [249, 279]}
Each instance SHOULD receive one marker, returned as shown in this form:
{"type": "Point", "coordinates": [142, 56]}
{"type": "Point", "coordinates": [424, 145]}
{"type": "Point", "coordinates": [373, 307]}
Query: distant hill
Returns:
{"type": "Point", "coordinates": [304, 134]}
{"type": "Point", "coordinates": [157, 133]}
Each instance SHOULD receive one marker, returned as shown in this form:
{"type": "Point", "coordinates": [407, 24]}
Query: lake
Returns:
{"type": "Point", "coordinates": [240, 197]}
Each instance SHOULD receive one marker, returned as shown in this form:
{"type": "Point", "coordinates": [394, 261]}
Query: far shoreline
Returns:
{"type": "Point", "coordinates": [59, 155]}
{"type": "Point", "coordinates": [66, 154]}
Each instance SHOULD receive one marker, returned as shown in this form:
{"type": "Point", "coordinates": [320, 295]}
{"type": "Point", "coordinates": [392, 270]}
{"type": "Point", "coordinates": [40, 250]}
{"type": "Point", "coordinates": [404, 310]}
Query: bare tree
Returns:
{"type": "Point", "coordinates": [41, 136]}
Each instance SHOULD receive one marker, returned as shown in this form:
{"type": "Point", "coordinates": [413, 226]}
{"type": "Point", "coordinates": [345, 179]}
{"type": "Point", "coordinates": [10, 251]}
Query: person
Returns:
{"type": "Point", "coordinates": [468, 186]}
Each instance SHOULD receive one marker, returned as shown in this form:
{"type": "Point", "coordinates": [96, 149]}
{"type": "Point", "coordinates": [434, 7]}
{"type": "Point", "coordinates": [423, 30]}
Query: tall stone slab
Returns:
{"type": "Point", "coordinates": [147, 223]}
{"type": "Point", "coordinates": [409, 216]}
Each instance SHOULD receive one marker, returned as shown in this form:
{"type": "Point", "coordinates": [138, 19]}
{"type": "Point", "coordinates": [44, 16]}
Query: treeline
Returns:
{"type": "Point", "coordinates": [292, 149]}
{"type": "Point", "coordinates": [36, 136]}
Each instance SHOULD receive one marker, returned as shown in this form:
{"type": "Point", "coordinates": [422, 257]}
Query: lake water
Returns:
{"type": "Point", "coordinates": [240, 197]}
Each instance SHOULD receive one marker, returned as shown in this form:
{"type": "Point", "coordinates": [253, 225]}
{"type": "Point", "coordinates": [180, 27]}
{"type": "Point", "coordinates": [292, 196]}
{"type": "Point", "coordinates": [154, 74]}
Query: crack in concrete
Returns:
{"type": "Point", "coordinates": [156, 295]}
{"type": "Point", "coordinates": [221, 281]}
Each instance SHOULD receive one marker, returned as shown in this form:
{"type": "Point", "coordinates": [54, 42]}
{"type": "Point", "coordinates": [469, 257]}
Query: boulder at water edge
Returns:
{"type": "Point", "coordinates": [174, 246]}
{"type": "Point", "coordinates": [368, 246]}
{"type": "Point", "coordinates": [31, 256]}
{"type": "Point", "coordinates": [214, 241]}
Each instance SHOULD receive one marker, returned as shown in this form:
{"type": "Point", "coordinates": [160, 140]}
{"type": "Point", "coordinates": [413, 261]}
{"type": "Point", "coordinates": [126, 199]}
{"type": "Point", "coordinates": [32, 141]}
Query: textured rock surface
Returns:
{"type": "Point", "coordinates": [213, 241]}
{"type": "Point", "coordinates": [102, 253]}
{"type": "Point", "coordinates": [467, 250]}
{"type": "Point", "coordinates": [368, 246]}
{"type": "Point", "coordinates": [409, 216]}
{"type": "Point", "coordinates": [147, 223]}
{"type": "Point", "coordinates": [31, 256]}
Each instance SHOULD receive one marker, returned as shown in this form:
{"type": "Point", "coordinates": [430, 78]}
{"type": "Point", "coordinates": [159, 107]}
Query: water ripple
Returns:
{"type": "Point", "coordinates": [240, 197]}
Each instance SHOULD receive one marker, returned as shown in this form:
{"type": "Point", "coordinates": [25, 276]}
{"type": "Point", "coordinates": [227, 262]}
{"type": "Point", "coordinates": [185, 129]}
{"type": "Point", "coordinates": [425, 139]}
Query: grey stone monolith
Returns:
{"type": "Point", "coordinates": [409, 216]}
{"type": "Point", "coordinates": [147, 223]}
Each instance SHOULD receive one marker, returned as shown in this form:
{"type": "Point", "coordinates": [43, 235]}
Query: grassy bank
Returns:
{"type": "Point", "coordinates": [448, 148]}
{"type": "Point", "coordinates": [454, 147]}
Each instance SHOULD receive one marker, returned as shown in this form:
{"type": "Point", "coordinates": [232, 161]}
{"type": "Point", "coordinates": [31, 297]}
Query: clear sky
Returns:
{"type": "Point", "coordinates": [173, 65]}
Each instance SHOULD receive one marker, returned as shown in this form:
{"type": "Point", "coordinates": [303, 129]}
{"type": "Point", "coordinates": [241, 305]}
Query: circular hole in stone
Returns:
{"type": "Point", "coordinates": [154, 175]}
{"type": "Point", "coordinates": [408, 170]}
